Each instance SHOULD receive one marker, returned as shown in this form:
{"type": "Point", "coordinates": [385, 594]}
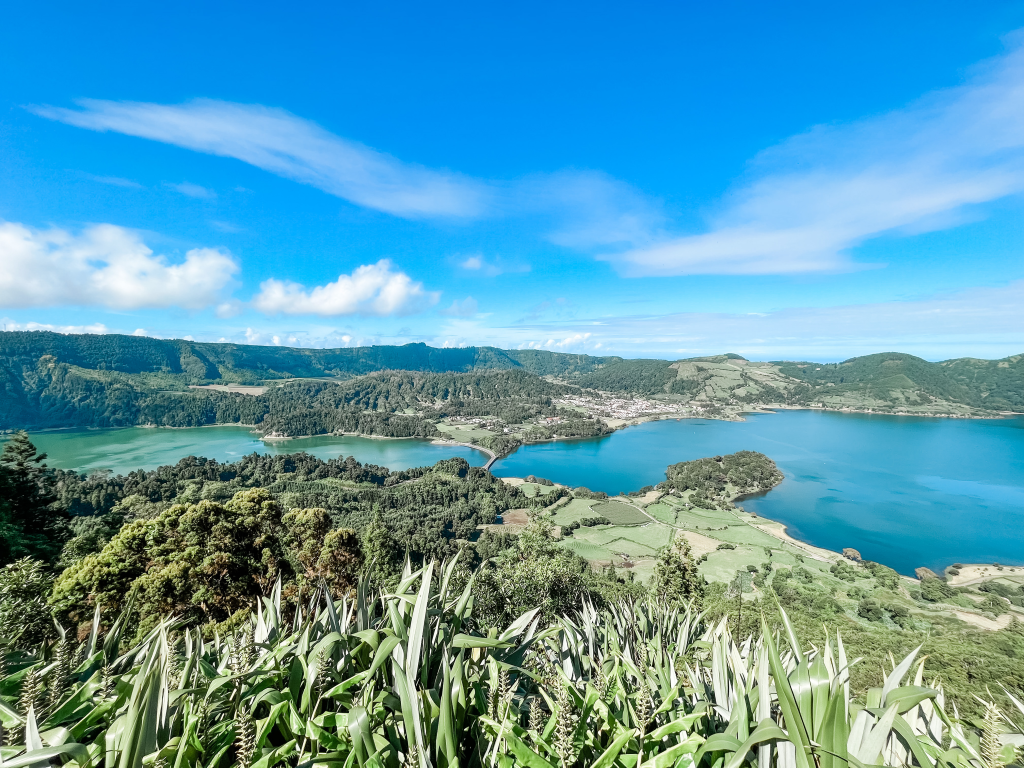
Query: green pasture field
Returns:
{"type": "Point", "coordinates": [723, 564]}
{"type": "Point", "coordinates": [642, 541]}
{"type": "Point", "coordinates": [620, 514]}
{"type": "Point", "coordinates": [464, 434]}
{"type": "Point", "coordinates": [575, 510]}
{"type": "Point", "coordinates": [592, 552]}
{"type": "Point", "coordinates": [745, 534]}
{"type": "Point", "coordinates": [599, 534]}
{"type": "Point", "coordinates": [663, 512]}
{"type": "Point", "coordinates": [653, 536]}
{"type": "Point", "coordinates": [643, 570]}
{"type": "Point", "coordinates": [634, 549]}
{"type": "Point", "coordinates": [534, 489]}
{"type": "Point", "coordinates": [703, 518]}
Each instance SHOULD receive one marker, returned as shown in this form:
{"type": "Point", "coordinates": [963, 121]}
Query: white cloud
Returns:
{"type": "Point", "coordinates": [819, 194]}
{"type": "Point", "coordinates": [372, 289]}
{"type": "Point", "coordinates": [465, 308]}
{"type": "Point", "coordinates": [98, 328]}
{"type": "Point", "coordinates": [590, 209]}
{"type": "Point", "coordinates": [106, 266]}
{"type": "Point", "coordinates": [473, 262]}
{"type": "Point", "coordinates": [576, 341]}
{"type": "Point", "coordinates": [189, 189]}
{"type": "Point", "coordinates": [279, 142]}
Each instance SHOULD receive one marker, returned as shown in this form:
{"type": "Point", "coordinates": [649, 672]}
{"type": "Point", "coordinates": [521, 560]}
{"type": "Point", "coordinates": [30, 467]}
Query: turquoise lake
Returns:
{"type": "Point", "coordinates": [904, 491]}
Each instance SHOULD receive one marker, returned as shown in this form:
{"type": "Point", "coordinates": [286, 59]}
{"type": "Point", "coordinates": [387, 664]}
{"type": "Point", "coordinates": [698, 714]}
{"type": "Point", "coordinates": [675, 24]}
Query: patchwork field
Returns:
{"type": "Point", "coordinates": [745, 552]}
{"type": "Point", "coordinates": [620, 514]}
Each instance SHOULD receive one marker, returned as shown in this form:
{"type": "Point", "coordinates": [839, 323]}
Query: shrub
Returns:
{"type": "Point", "coordinates": [203, 562]}
{"type": "Point", "coordinates": [936, 590]}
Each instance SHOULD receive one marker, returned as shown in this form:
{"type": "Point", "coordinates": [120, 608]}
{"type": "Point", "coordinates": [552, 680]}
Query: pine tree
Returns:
{"type": "Point", "coordinates": [30, 526]}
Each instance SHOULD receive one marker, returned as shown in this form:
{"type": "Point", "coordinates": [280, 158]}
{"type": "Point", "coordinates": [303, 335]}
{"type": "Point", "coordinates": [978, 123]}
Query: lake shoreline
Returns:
{"type": "Point", "coordinates": [861, 483]}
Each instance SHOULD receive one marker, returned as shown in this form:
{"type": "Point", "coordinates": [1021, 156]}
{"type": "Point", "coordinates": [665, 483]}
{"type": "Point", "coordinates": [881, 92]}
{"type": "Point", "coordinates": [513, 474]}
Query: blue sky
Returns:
{"type": "Point", "coordinates": [665, 179]}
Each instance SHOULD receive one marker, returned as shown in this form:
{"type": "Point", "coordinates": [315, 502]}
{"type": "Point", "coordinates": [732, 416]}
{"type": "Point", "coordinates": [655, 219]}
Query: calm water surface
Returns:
{"type": "Point", "coordinates": [904, 491]}
{"type": "Point", "coordinates": [123, 450]}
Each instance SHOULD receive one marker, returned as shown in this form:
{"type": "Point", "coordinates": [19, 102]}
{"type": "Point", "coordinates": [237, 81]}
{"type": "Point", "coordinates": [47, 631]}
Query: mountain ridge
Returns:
{"type": "Point", "coordinates": [49, 379]}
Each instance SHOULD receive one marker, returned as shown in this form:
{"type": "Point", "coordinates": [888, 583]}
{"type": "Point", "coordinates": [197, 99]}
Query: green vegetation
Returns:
{"type": "Point", "coordinates": [711, 481]}
{"type": "Point", "coordinates": [411, 677]}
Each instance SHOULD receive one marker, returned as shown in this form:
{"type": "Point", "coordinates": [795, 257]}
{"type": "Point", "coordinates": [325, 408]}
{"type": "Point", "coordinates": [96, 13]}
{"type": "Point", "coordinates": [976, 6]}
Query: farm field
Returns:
{"type": "Point", "coordinates": [464, 434]}
{"type": "Point", "coordinates": [620, 514]}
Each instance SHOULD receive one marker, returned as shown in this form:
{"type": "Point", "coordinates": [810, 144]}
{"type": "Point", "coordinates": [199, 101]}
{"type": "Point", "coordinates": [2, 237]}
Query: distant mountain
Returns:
{"type": "Point", "coordinates": [50, 379]}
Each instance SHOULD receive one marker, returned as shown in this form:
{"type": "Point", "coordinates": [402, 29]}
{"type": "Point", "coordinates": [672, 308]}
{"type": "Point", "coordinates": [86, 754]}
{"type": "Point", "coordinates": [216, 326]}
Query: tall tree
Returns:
{"type": "Point", "coordinates": [676, 577]}
{"type": "Point", "coordinates": [31, 524]}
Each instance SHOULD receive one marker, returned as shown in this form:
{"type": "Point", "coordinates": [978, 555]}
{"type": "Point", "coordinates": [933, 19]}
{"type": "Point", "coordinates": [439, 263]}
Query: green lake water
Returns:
{"type": "Point", "coordinates": [123, 450]}
{"type": "Point", "coordinates": [904, 491]}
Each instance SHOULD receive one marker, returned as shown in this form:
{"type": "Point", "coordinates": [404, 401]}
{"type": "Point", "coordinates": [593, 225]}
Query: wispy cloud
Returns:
{"type": "Point", "coordinates": [984, 322]}
{"type": "Point", "coordinates": [189, 189]}
{"type": "Point", "coordinates": [801, 207]}
{"type": "Point", "coordinates": [225, 226]}
{"type": "Point", "coordinates": [104, 265]}
{"type": "Point", "coordinates": [580, 209]}
{"type": "Point", "coordinates": [807, 202]}
{"type": "Point", "coordinates": [372, 289]}
{"type": "Point", "coordinates": [480, 265]}
{"type": "Point", "coordinates": [282, 143]}
{"type": "Point", "coordinates": [114, 181]}
{"type": "Point", "coordinates": [465, 308]}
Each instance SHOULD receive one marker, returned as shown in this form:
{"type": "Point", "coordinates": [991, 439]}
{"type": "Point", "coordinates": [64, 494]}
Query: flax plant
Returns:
{"type": "Point", "coordinates": [408, 678]}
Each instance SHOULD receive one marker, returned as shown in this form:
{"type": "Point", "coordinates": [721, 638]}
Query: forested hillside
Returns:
{"type": "Point", "coordinates": [55, 380]}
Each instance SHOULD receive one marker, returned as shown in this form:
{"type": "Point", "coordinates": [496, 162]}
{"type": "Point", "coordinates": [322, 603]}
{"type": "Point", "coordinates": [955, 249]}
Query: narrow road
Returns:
{"type": "Point", "coordinates": [488, 451]}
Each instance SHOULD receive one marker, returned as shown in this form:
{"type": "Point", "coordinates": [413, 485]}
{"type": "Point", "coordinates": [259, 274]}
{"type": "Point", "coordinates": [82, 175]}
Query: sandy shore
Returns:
{"type": "Point", "coordinates": [778, 531]}
{"type": "Point", "coordinates": [973, 574]}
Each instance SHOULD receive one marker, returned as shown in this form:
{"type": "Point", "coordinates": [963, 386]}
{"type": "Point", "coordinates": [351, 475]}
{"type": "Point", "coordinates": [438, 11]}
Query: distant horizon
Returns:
{"type": "Point", "coordinates": [516, 349]}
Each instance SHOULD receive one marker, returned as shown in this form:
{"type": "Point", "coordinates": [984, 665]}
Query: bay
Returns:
{"type": "Point", "coordinates": [904, 491]}
{"type": "Point", "coordinates": [124, 450]}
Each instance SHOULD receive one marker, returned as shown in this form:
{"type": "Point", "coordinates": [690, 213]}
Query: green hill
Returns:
{"type": "Point", "coordinates": [53, 380]}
